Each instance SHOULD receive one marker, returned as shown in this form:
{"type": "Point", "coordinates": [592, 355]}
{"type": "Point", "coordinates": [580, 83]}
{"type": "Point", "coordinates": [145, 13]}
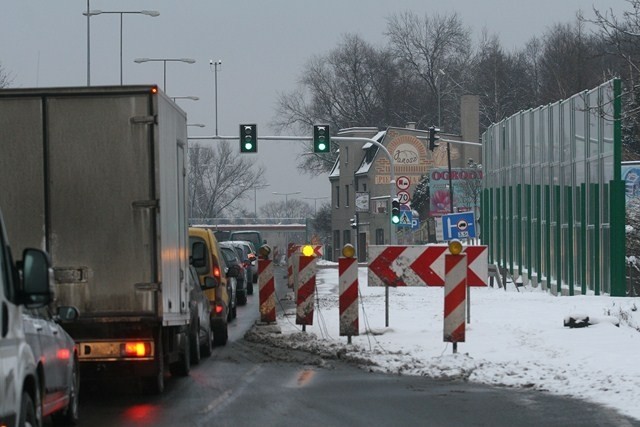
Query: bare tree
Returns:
{"type": "Point", "coordinates": [432, 47]}
{"type": "Point", "coordinates": [5, 78]}
{"type": "Point", "coordinates": [291, 208]}
{"type": "Point", "coordinates": [353, 85]}
{"type": "Point", "coordinates": [218, 179]}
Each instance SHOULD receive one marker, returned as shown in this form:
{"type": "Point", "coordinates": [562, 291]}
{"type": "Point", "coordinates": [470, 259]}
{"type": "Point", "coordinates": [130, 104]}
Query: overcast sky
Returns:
{"type": "Point", "coordinates": [263, 46]}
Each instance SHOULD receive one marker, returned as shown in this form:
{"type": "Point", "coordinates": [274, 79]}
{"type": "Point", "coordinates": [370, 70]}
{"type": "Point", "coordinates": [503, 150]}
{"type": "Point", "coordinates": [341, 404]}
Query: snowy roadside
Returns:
{"type": "Point", "coordinates": [515, 339]}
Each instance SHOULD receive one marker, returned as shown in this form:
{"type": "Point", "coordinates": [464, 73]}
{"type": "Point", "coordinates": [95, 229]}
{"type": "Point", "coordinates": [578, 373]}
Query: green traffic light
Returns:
{"type": "Point", "coordinates": [395, 219]}
{"type": "Point", "coordinates": [321, 139]}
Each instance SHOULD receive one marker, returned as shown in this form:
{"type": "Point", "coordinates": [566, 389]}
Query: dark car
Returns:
{"type": "Point", "coordinates": [247, 255]}
{"type": "Point", "coordinates": [200, 331]}
{"type": "Point", "coordinates": [54, 350]}
{"type": "Point", "coordinates": [231, 259]}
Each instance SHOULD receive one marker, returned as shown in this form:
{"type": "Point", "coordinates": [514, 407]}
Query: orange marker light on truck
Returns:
{"type": "Point", "coordinates": [136, 349]}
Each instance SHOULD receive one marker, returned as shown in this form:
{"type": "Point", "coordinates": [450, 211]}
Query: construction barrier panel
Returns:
{"type": "Point", "coordinates": [306, 290]}
{"type": "Point", "coordinates": [455, 295]}
{"type": "Point", "coordinates": [267, 289]}
{"type": "Point", "coordinates": [422, 265]}
{"type": "Point", "coordinates": [348, 282]}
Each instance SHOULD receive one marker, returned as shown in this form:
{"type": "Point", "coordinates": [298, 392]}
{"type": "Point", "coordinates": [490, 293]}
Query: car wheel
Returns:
{"type": "Point", "coordinates": [208, 344]}
{"type": "Point", "coordinates": [242, 299]}
{"type": "Point", "coordinates": [69, 416]}
{"type": "Point", "coordinates": [220, 334]}
{"type": "Point", "coordinates": [250, 288]}
{"type": "Point", "coordinates": [194, 340]}
{"type": "Point", "coordinates": [183, 365]}
{"type": "Point", "coordinates": [28, 416]}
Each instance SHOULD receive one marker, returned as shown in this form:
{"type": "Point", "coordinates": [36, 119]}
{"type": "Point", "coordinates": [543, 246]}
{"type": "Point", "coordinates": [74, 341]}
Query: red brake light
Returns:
{"type": "Point", "coordinates": [216, 272]}
{"type": "Point", "coordinates": [64, 354]}
{"type": "Point", "coordinates": [135, 349]}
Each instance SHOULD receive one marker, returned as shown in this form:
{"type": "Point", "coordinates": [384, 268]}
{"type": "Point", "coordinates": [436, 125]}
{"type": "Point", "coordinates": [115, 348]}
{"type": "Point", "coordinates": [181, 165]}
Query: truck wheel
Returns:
{"type": "Point", "coordinates": [28, 412]}
{"type": "Point", "coordinates": [208, 343]}
{"type": "Point", "coordinates": [220, 334]}
{"type": "Point", "coordinates": [195, 347]}
{"type": "Point", "coordinates": [183, 365]}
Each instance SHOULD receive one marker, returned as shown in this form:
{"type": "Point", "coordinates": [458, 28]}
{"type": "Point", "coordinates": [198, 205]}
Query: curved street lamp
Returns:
{"type": "Point", "coordinates": [90, 13]}
{"type": "Point", "coordinates": [165, 60]}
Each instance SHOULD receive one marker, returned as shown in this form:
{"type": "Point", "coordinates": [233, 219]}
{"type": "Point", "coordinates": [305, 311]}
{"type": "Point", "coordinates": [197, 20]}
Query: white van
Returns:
{"type": "Point", "coordinates": [21, 400]}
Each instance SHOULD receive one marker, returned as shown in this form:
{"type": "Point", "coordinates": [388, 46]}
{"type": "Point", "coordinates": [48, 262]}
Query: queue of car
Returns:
{"type": "Point", "coordinates": [39, 371]}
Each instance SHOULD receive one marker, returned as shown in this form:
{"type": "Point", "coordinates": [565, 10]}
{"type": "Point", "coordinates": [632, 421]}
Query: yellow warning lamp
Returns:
{"type": "Point", "coordinates": [455, 247]}
{"type": "Point", "coordinates": [307, 250]}
{"type": "Point", "coordinates": [348, 251]}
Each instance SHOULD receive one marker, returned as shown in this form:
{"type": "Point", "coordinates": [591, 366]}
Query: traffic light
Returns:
{"type": "Point", "coordinates": [433, 137]}
{"type": "Point", "coordinates": [395, 211]}
{"type": "Point", "coordinates": [248, 138]}
{"type": "Point", "coordinates": [321, 139]}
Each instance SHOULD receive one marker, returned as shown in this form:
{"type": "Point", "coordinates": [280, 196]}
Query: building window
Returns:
{"type": "Point", "coordinates": [379, 236]}
{"type": "Point", "coordinates": [337, 196]}
{"type": "Point", "coordinates": [364, 187]}
{"type": "Point", "coordinates": [346, 194]}
{"type": "Point", "coordinates": [336, 244]}
{"type": "Point", "coordinates": [346, 237]}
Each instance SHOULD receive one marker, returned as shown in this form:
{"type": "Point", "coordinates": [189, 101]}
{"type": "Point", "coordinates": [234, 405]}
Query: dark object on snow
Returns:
{"type": "Point", "coordinates": [579, 321]}
{"type": "Point", "coordinates": [576, 321]}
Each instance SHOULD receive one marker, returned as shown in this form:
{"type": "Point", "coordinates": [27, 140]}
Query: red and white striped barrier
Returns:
{"type": "Point", "coordinates": [267, 289]}
{"type": "Point", "coordinates": [348, 282]}
{"type": "Point", "coordinates": [306, 290]}
{"type": "Point", "coordinates": [455, 295]}
{"type": "Point", "coordinates": [292, 252]}
{"type": "Point", "coordinates": [422, 265]}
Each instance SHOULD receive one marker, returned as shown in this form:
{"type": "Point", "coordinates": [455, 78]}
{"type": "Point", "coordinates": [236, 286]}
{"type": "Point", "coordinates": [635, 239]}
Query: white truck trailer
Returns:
{"type": "Point", "coordinates": [96, 176]}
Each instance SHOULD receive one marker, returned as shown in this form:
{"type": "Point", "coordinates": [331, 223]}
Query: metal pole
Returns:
{"type": "Point", "coordinates": [450, 180]}
{"type": "Point", "coordinates": [88, 45]}
{"type": "Point", "coordinates": [215, 74]}
{"type": "Point", "coordinates": [164, 87]}
{"type": "Point", "coordinates": [121, 48]}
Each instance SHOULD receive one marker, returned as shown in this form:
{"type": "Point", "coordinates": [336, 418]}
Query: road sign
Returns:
{"type": "Point", "coordinates": [415, 224]}
{"type": "Point", "coordinates": [458, 226]}
{"type": "Point", "coordinates": [406, 218]}
{"type": "Point", "coordinates": [403, 197]}
{"type": "Point", "coordinates": [403, 183]}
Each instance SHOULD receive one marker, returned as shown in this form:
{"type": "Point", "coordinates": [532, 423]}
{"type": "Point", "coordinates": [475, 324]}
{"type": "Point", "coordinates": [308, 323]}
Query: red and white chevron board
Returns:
{"type": "Point", "coordinates": [348, 283]}
{"type": "Point", "coordinates": [455, 296]}
{"type": "Point", "coordinates": [422, 265]}
{"type": "Point", "coordinates": [306, 290]}
{"type": "Point", "coordinates": [267, 289]}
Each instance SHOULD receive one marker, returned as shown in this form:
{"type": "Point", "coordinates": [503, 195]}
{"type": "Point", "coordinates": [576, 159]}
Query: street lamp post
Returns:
{"type": "Point", "coordinates": [193, 98]}
{"type": "Point", "coordinates": [286, 195]}
{"type": "Point", "coordinates": [315, 206]}
{"type": "Point", "coordinates": [215, 65]}
{"type": "Point", "coordinates": [255, 198]}
{"type": "Point", "coordinates": [90, 13]}
{"type": "Point", "coordinates": [164, 60]}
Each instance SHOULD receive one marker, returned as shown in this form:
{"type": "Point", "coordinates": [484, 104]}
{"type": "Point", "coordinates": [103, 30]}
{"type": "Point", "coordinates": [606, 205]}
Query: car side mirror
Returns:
{"type": "Point", "coordinates": [67, 313]}
{"type": "Point", "coordinates": [210, 282]}
{"type": "Point", "coordinates": [37, 278]}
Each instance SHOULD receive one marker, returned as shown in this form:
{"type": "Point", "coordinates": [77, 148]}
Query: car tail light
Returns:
{"type": "Point", "coordinates": [216, 272]}
{"type": "Point", "coordinates": [63, 354]}
{"type": "Point", "coordinates": [135, 349]}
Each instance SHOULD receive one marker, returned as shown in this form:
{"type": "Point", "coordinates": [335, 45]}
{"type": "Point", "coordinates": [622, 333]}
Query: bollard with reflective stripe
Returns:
{"type": "Point", "coordinates": [348, 282]}
{"type": "Point", "coordinates": [455, 292]}
{"type": "Point", "coordinates": [266, 286]}
{"type": "Point", "coordinates": [306, 290]}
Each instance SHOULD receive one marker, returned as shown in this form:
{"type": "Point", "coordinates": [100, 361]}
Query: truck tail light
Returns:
{"type": "Point", "coordinates": [135, 349]}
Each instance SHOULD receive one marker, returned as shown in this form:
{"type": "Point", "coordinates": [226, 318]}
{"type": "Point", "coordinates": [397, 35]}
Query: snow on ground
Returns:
{"type": "Point", "coordinates": [515, 339]}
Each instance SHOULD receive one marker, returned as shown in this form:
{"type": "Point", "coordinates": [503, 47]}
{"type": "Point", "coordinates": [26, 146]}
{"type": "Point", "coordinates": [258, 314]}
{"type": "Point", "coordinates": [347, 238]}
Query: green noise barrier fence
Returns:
{"type": "Point", "coordinates": [553, 201]}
